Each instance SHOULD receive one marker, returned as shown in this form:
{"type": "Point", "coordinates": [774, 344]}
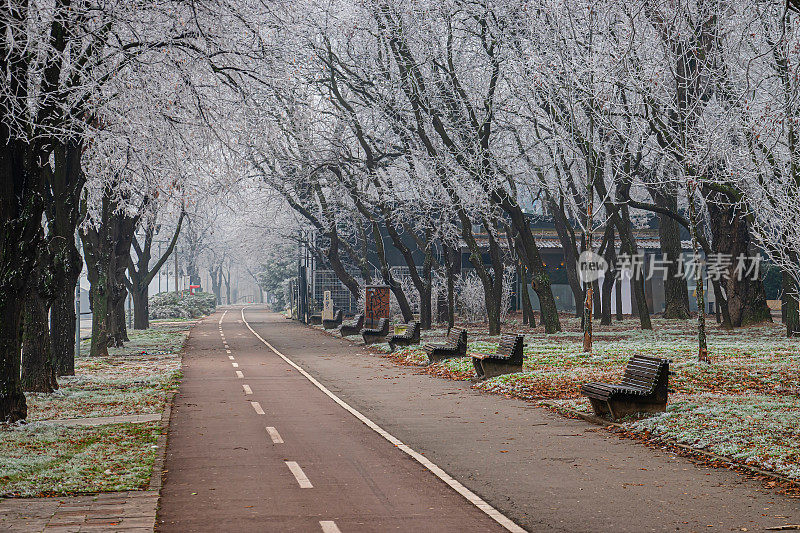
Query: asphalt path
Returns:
{"type": "Point", "coordinates": [544, 471]}
{"type": "Point", "coordinates": [254, 445]}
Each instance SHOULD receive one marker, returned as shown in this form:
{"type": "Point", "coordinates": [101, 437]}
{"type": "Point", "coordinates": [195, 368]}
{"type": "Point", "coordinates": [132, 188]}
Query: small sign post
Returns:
{"type": "Point", "coordinates": [327, 306]}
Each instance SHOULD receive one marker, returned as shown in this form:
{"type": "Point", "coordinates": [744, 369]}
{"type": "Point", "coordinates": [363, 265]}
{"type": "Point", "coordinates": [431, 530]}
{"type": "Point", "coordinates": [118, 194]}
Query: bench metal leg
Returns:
{"type": "Point", "coordinates": [477, 364]}
{"type": "Point", "coordinates": [611, 410]}
{"type": "Point", "coordinates": [599, 407]}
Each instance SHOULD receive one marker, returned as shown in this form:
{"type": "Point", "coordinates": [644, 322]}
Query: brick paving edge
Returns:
{"type": "Point", "coordinates": [156, 476]}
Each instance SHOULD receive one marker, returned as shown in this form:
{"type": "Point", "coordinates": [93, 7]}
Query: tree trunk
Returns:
{"type": "Point", "coordinates": [597, 300]}
{"type": "Point", "coordinates": [425, 304]}
{"type": "Point", "coordinates": [747, 301]}
{"type": "Point", "coordinates": [451, 255]}
{"type": "Point", "coordinates": [216, 284]}
{"type": "Point", "coordinates": [637, 279]}
{"type": "Point", "coordinates": [141, 274]}
{"type": "Point", "coordinates": [533, 260]}
{"type": "Point", "coordinates": [610, 278]}
{"type": "Point", "coordinates": [100, 299]}
{"type": "Point", "coordinates": [38, 372]}
{"type": "Point", "coordinates": [408, 257]}
{"type": "Point", "coordinates": [21, 217]}
{"type": "Point", "coordinates": [722, 304]}
{"type": "Point", "coordinates": [494, 305]}
{"type": "Point", "coordinates": [12, 400]}
{"type": "Point", "coordinates": [63, 329]}
{"type": "Point", "coordinates": [527, 308]}
{"type": "Point", "coordinates": [107, 252]}
{"type": "Point", "coordinates": [227, 288]}
{"type": "Point", "coordinates": [63, 211]}
{"type": "Point", "coordinates": [606, 289]}
{"type": "Point", "coordinates": [119, 327]}
{"type": "Point", "coordinates": [676, 291]}
{"type": "Point", "coordinates": [639, 302]}
{"type": "Point", "coordinates": [790, 305]}
{"type": "Point", "coordinates": [66, 266]}
{"type": "Point", "coordinates": [141, 309]}
{"type": "Point", "coordinates": [566, 236]}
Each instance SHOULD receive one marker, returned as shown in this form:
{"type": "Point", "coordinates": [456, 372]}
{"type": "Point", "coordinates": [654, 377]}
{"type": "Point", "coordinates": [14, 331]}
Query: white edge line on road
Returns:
{"type": "Point", "coordinates": [257, 408]}
{"type": "Point", "coordinates": [329, 526]}
{"type": "Point", "coordinates": [247, 389]}
{"type": "Point", "coordinates": [473, 498]}
{"type": "Point", "coordinates": [239, 374]}
{"type": "Point", "coordinates": [274, 435]}
{"type": "Point", "coordinates": [301, 478]}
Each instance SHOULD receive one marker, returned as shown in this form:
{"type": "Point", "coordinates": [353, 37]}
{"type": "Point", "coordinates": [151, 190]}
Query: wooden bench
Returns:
{"type": "Point", "coordinates": [507, 359]}
{"type": "Point", "coordinates": [334, 322]}
{"type": "Point", "coordinates": [407, 338]}
{"type": "Point", "coordinates": [372, 335]}
{"type": "Point", "coordinates": [455, 345]}
{"type": "Point", "coordinates": [643, 389]}
{"type": "Point", "coordinates": [315, 320]}
{"type": "Point", "coordinates": [353, 327]}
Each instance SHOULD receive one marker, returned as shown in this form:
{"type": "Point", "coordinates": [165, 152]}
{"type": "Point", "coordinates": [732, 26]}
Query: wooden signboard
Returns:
{"type": "Point", "coordinates": [376, 305]}
{"type": "Point", "coordinates": [327, 306]}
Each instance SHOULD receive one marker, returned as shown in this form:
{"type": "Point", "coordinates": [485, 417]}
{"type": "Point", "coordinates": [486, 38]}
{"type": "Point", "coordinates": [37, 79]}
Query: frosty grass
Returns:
{"type": "Point", "coordinates": [745, 405]}
{"type": "Point", "coordinates": [46, 459]}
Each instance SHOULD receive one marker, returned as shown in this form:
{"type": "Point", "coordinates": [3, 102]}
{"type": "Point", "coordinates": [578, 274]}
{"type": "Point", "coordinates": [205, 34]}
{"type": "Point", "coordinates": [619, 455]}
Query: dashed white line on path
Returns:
{"type": "Point", "coordinates": [227, 350]}
{"type": "Point", "coordinates": [239, 374]}
{"type": "Point", "coordinates": [470, 496]}
{"type": "Point", "coordinates": [274, 435]}
{"type": "Point", "coordinates": [329, 526]}
{"type": "Point", "coordinates": [230, 357]}
{"type": "Point", "coordinates": [257, 408]}
{"type": "Point", "coordinates": [301, 478]}
{"type": "Point", "coordinates": [223, 316]}
{"type": "Point", "coordinates": [235, 365]}
{"type": "Point", "coordinates": [247, 389]}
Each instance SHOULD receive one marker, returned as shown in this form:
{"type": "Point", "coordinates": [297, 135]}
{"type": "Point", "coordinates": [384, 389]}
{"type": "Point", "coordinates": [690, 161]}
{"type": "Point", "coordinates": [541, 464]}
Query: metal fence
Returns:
{"type": "Point", "coordinates": [326, 280]}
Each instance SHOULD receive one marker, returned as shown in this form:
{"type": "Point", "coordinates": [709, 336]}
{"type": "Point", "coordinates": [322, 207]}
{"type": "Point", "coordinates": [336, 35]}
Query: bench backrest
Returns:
{"type": "Point", "coordinates": [457, 336]}
{"type": "Point", "coordinates": [412, 330]}
{"type": "Point", "coordinates": [509, 344]}
{"type": "Point", "coordinates": [647, 373]}
{"type": "Point", "coordinates": [357, 321]}
{"type": "Point", "coordinates": [338, 315]}
{"type": "Point", "coordinates": [383, 325]}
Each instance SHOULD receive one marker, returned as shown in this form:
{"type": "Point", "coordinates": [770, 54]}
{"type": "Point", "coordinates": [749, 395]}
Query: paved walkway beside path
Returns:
{"type": "Point", "coordinates": [123, 512]}
{"type": "Point", "coordinates": [545, 471]}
